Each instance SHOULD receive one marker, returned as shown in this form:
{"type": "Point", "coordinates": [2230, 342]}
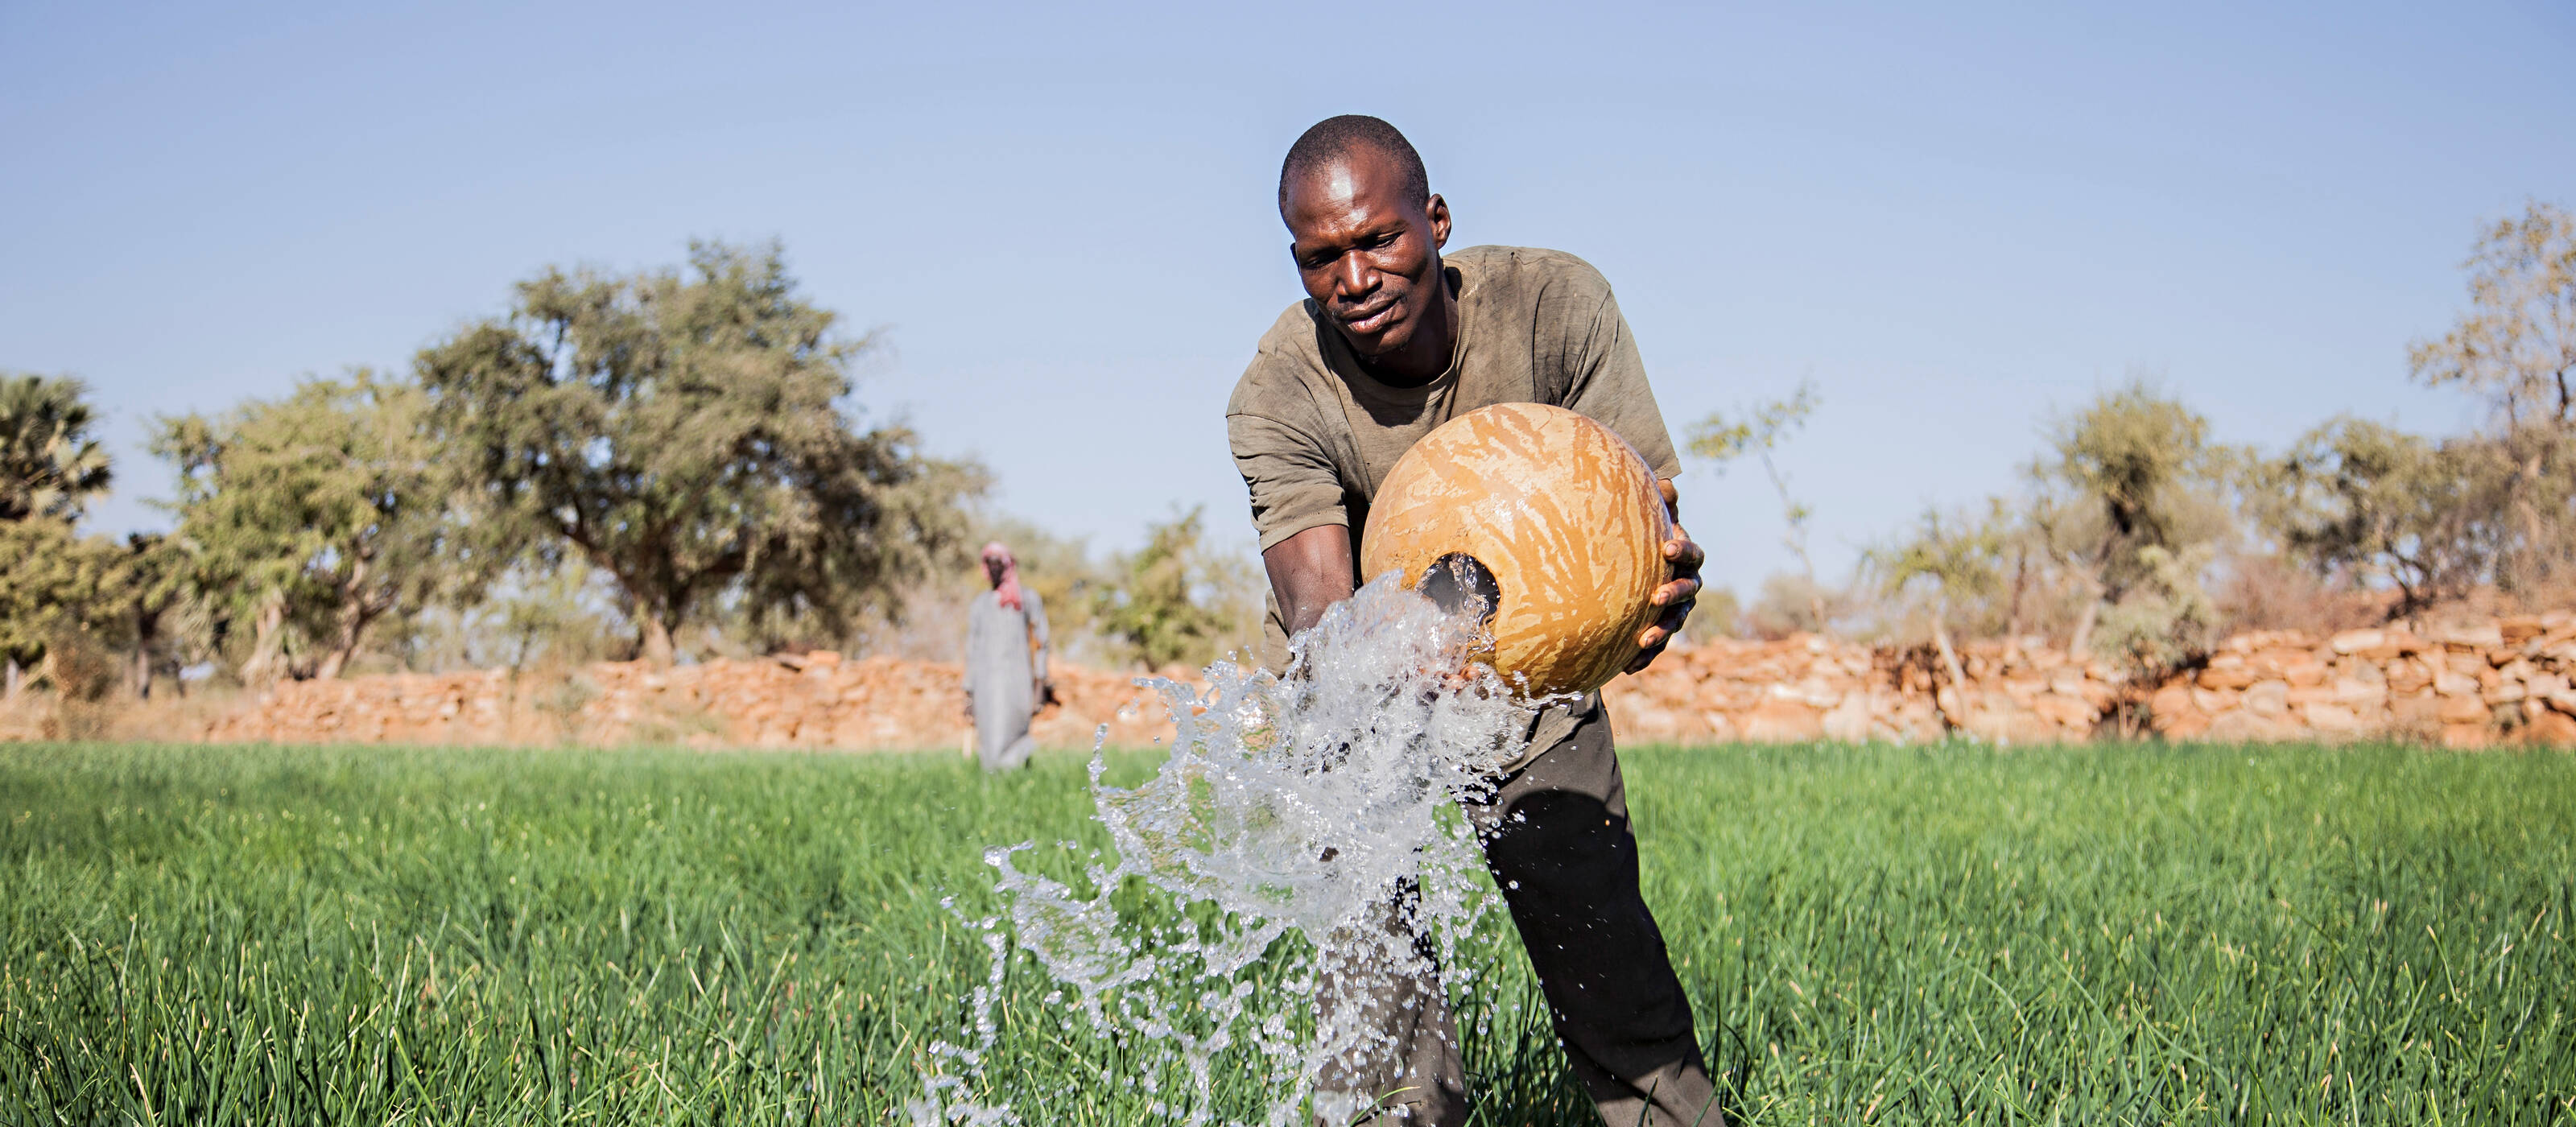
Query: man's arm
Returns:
{"type": "Point", "coordinates": [1309, 572]}
{"type": "Point", "coordinates": [1677, 596]}
{"type": "Point", "coordinates": [1610, 388]}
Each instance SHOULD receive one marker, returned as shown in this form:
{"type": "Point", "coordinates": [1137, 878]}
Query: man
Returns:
{"type": "Point", "coordinates": [1006, 655]}
{"type": "Point", "coordinates": [1393, 340]}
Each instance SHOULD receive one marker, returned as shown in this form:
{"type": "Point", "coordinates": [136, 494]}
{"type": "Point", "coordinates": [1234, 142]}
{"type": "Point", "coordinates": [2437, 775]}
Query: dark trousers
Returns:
{"type": "Point", "coordinates": [1557, 841]}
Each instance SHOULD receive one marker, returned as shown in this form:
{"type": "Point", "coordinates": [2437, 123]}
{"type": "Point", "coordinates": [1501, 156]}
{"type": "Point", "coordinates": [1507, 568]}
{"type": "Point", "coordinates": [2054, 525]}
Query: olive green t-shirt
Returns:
{"type": "Point", "coordinates": [1314, 436]}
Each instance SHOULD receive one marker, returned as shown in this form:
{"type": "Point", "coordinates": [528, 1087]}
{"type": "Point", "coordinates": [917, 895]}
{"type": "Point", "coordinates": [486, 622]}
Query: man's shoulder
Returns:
{"type": "Point", "coordinates": [1283, 364]}
{"type": "Point", "coordinates": [1531, 271]}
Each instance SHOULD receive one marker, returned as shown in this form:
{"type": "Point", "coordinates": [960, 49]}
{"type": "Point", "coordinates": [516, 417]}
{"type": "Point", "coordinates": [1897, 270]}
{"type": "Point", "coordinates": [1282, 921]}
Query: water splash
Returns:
{"type": "Point", "coordinates": [1302, 825]}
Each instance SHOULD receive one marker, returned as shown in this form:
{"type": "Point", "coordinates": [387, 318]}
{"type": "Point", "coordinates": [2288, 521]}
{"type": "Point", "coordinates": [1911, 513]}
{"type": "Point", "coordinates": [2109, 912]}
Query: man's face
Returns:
{"type": "Point", "coordinates": [993, 571]}
{"type": "Point", "coordinates": [1368, 256]}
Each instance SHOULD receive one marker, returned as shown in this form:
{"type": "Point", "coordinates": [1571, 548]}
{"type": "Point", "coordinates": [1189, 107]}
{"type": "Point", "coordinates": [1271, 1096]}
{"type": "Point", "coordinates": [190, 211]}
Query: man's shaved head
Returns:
{"type": "Point", "coordinates": [1335, 138]}
{"type": "Point", "coordinates": [1366, 234]}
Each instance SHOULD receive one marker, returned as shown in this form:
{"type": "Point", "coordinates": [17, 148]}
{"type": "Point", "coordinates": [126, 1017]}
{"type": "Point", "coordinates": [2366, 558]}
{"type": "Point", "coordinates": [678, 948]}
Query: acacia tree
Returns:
{"type": "Point", "coordinates": [685, 434]}
{"type": "Point", "coordinates": [1960, 559]}
{"type": "Point", "coordinates": [153, 590]}
{"type": "Point", "coordinates": [2128, 492]}
{"type": "Point", "coordinates": [2517, 346]}
{"type": "Point", "coordinates": [2364, 503]}
{"type": "Point", "coordinates": [312, 516]}
{"type": "Point", "coordinates": [1760, 431]}
{"type": "Point", "coordinates": [1175, 601]}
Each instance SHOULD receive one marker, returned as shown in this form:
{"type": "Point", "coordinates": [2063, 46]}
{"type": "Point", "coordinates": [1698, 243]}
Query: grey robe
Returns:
{"type": "Point", "coordinates": [1003, 675]}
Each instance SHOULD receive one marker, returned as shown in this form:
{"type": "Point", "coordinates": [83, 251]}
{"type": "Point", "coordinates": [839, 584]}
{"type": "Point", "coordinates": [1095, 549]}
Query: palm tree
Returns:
{"type": "Point", "coordinates": [50, 466]}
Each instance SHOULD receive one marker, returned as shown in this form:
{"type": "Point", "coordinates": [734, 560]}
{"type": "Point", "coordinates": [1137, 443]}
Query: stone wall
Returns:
{"type": "Point", "coordinates": [2506, 681]}
{"type": "Point", "coordinates": [809, 701]}
{"type": "Point", "coordinates": [2499, 682]}
{"type": "Point", "coordinates": [2461, 687]}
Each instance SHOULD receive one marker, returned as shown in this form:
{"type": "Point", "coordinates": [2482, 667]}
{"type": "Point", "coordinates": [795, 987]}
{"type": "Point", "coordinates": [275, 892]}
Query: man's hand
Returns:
{"type": "Point", "coordinates": [1677, 596]}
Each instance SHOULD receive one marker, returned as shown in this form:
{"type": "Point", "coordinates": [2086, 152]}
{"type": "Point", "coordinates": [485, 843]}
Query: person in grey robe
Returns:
{"type": "Point", "coordinates": [1006, 663]}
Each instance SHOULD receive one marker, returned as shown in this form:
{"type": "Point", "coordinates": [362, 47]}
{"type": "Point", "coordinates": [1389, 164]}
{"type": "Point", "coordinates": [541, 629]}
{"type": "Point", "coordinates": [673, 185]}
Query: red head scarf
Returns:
{"type": "Point", "coordinates": [1007, 591]}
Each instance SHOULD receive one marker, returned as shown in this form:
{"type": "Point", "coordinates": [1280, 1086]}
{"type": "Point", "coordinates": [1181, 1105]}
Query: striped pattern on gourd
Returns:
{"type": "Point", "coordinates": [1560, 509]}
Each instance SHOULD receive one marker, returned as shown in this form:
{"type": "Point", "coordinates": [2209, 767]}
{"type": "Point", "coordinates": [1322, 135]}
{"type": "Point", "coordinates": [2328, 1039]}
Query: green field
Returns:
{"type": "Point", "coordinates": [2129, 934]}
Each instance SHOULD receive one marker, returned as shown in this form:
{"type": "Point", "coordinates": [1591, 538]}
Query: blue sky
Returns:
{"type": "Point", "coordinates": [1956, 220]}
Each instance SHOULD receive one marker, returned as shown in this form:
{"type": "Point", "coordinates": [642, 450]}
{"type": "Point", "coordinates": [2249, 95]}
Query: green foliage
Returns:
{"type": "Point", "coordinates": [1762, 429]}
{"type": "Point", "coordinates": [2132, 471]}
{"type": "Point", "coordinates": [2370, 504]}
{"type": "Point", "coordinates": [313, 516]}
{"type": "Point", "coordinates": [1791, 602]}
{"type": "Point", "coordinates": [1719, 614]}
{"type": "Point", "coordinates": [55, 585]}
{"type": "Point", "coordinates": [1960, 557]}
{"type": "Point", "coordinates": [2162, 621]}
{"type": "Point", "coordinates": [527, 618]}
{"type": "Point", "coordinates": [2517, 343]}
{"type": "Point", "coordinates": [1760, 432]}
{"type": "Point", "coordinates": [2517, 346]}
{"type": "Point", "coordinates": [168, 629]}
{"type": "Point", "coordinates": [2131, 490]}
{"type": "Point", "coordinates": [1177, 602]}
{"type": "Point", "coordinates": [2106, 935]}
{"type": "Point", "coordinates": [50, 465]}
{"type": "Point", "coordinates": [686, 436]}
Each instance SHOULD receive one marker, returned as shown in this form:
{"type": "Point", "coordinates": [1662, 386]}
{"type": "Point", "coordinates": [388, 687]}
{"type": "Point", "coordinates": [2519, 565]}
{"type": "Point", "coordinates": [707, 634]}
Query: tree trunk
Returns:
{"type": "Point", "coordinates": [656, 639]}
{"type": "Point", "coordinates": [2534, 552]}
{"type": "Point", "coordinates": [267, 660]}
{"type": "Point", "coordinates": [2020, 589]}
{"type": "Point", "coordinates": [138, 677]}
{"type": "Point", "coordinates": [352, 627]}
{"type": "Point", "coordinates": [1956, 714]}
{"type": "Point", "coordinates": [338, 657]}
{"type": "Point", "coordinates": [2076, 647]}
{"type": "Point", "coordinates": [16, 678]}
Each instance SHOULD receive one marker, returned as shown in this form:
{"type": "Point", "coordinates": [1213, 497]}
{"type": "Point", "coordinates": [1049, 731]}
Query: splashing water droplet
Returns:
{"type": "Point", "coordinates": [1296, 826]}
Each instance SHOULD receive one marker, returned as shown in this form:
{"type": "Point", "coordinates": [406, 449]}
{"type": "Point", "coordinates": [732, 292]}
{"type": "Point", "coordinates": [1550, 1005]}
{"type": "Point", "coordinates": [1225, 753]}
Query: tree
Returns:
{"type": "Point", "coordinates": [1720, 614]}
{"type": "Point", "coordinates": [152, 589]}
{"type": "Point", "coordinates": [1962, 560]}
{"type": "Point", "coordinates": [1721, 440]}
{"type": "Point", "coordinates": [2131, 485]}
{"type": "Point", "coordinates": [56, 587]}
{"type": "Point", "coordinates": [2162, 622]}
{"type": "Point", "coordinates": [50, 466]}
{"type": "Point", "coordinates": [686, 435]}
{"type": "Point", "coordinates": [2366, 503]}
{"type": "Point", "coordinates": [313, 516]}
{"type": "Point", "coordinates": [2517, 346]}
{"type": "Point", "coordinates": [1789, 602]}
{"type": "Point", "coordinates": [1176, 601]}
